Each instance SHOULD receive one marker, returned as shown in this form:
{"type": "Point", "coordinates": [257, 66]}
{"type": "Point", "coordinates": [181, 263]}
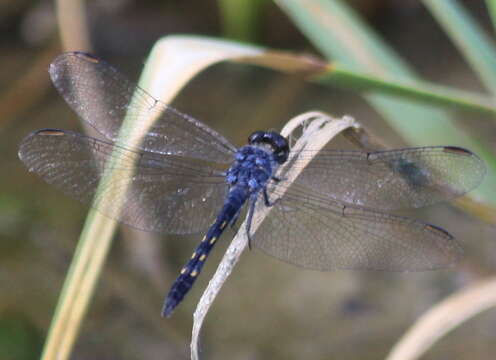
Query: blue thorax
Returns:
{"type": "Point", "coordinates": [252, 168]}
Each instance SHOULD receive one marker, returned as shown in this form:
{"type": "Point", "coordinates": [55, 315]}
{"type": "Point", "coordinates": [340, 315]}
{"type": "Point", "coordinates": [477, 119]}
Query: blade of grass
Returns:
{"type": "Point", "coordinates": [241, 18]}
{"type": "Point", "coordinates": [337, 74]}
{"type": "Point", "coordinates": [420, 91]}
{"type": "Point", "coordinates": [470, 39]}
{"type": "Point", "coordinates": [491, 6]}
{"type": "Point", "coordinates": [337, 31]}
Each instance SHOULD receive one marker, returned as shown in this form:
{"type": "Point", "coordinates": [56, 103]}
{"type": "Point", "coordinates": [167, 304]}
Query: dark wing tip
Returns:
{"type": "Point", "coordinates": [49, 132]}
{"type": "Point", "coordinates": [24, 147]}
{"type": "Point", "coordinates": [477, 166]}
{"type": "Point", "coordinates": [86, 56]}
{"type": "Point", "coordinates": [79, 54]}
{"type": "Point", "coordinates": [64, 58]}
{"type": "Point", "coordinates": [439, 231]}
{"type": "Point", "coordinates": [458, 151]}
{"type": "Point", "coordinates": [453, 252]}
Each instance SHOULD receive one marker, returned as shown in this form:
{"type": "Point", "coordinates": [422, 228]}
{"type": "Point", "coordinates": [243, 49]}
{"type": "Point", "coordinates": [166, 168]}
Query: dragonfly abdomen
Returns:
{"type": "Point", "coordinates": [193, 267]}
{"type": "Point", "coordinates": [188, 275]}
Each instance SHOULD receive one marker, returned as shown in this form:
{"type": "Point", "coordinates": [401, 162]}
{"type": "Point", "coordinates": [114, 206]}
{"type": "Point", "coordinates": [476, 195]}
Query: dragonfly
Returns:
{"type": "Point", "coordinates": [185, 178]}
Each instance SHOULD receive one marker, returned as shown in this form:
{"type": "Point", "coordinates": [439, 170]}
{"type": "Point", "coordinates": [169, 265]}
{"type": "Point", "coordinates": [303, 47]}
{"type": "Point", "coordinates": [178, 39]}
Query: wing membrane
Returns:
{"type": "Point", "coordinates": [103, 97]}
{"type": "Point", "coordinates": [322, 234]}
{"type": "Point", "coordinates": [164, 193]}
{"type": "Point", "coordinates": [393, 179]}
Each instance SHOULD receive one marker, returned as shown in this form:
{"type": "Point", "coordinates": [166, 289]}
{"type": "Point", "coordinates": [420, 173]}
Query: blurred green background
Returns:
{"type": "Point", "coordinates": [267, 309]}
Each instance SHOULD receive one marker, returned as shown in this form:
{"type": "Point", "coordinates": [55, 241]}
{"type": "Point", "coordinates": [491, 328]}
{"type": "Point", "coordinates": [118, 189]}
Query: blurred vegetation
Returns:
{"type": "Point", "coordinates": [267, 309]}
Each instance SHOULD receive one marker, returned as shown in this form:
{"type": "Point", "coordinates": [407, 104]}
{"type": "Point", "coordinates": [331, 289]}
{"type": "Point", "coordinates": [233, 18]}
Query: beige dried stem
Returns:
{"type": "Point", "coordinates": [444, 317]}
{"type": "Point", "coordinates": [73, 25]}
{"type": "Point", "coordinates": [318, 130]}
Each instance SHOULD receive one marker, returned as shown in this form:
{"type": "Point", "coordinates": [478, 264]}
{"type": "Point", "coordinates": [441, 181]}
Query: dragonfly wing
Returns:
{"type": "Point", "coordinates": [103, 97]}
{"type": "Point", "coordinates": [321, 234]}
{"type": "Point", "coordinates": [160, 193]}
{"type": "Point", "coordinates": [392, 179]}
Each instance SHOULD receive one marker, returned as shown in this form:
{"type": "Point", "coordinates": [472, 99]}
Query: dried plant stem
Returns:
{"type": "Point", "coordinates": [317, 133]}
{"type": "Point", "coordinates": [73, 29]}
{"type": "Point", "coordinates": [444, 317]}
{"type": "Point", "coordinates": [78, 287]}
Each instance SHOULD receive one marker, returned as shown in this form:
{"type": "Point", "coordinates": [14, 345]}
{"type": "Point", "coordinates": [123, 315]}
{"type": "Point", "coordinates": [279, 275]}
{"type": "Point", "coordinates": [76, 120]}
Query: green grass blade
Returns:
{"type": "Point", "coordinates": [491, 6]}
{"type": "Point", "coordinates": [338, 32]}
{"type": "Point", "coordinates": [241, 18]}
{"type": "Point", "coordinates": [475, 45]}
{"type": "Point", "coordinates": [419, 91]}
{"type": "Point", "coordinates": [341, 75]}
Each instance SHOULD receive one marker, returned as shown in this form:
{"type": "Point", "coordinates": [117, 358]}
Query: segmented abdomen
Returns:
{"type": "Point", "coordinates": [193, 267]}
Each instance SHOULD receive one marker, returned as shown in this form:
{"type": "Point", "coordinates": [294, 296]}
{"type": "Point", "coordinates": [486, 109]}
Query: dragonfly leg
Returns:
{"type": "Point", "coordinates": [235, 219]}
{"type": "Point", "coordinates": [233, 222]}
{"type": "Point", "coordinates": [251, 210]}
{"type": "Point", "coordinates": [267, 202]}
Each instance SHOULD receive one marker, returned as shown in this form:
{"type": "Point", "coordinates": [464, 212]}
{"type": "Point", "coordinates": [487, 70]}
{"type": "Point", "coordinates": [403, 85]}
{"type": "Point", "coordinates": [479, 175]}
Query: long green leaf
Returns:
{"type": "Point", "coordinates": [491, 5]}
{"type": "Point", "coordinates": [241, 18]}
{"type": "Point", "coordinates": [420, 91]}
{"type": "Point", "coordinates": [475, 45]}
{"type": "Point", "coordinates": [337, 74]}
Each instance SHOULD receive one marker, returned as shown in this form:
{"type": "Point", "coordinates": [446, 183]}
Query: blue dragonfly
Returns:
{"type": "Point", "coordinates": [334, 215]}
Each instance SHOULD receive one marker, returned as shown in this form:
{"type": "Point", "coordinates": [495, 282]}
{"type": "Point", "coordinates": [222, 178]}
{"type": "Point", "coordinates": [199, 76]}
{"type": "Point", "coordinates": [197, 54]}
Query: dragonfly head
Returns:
{"type": "Point", "coordinates": [278, 143]}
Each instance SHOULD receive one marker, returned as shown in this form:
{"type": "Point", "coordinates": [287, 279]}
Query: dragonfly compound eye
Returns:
{"type": "Point", "coordinates": [256, 137]}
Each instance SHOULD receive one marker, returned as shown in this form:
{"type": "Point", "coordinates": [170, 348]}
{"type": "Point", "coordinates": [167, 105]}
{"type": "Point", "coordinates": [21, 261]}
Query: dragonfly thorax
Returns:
{"type": "Point", "coordinates": [253, 167]}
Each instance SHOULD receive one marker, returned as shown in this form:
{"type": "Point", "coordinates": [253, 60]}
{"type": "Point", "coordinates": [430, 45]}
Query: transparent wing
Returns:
{"type": "Point", "coordinates": [102, 97]}
{"type": "Point", "coordinates": [393, 179]}
{"type": "Point", "coordinates": [164, 194]}
{"type": "Point", "coordinates": [321, 234]}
